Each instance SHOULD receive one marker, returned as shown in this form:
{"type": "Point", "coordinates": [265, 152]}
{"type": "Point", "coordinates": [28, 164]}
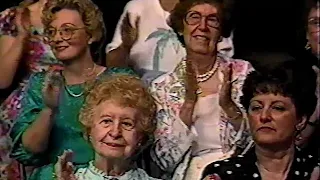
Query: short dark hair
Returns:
{"type": "Point", "coordinates": [290, 79]}
{"type": "Point", "coordinates": [310, 4]}
{"type": "Point", "coordinates": [179, 12]}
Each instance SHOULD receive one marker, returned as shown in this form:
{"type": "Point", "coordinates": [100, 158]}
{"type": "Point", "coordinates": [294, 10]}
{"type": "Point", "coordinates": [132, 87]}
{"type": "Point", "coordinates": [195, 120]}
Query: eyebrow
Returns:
{"type": "Point", "coordinates": [273, 102]}
{"type": "Point", "coordinates": [108, 116]}
{"type": "Point", "coordinates": [104, 115]}
{"type": "Point", "coordinates": [66, 24]}
{"type": "Point", "coordinates": [212, 14]}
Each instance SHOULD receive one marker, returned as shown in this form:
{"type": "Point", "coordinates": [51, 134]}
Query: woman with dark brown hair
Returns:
{"type": "Point", "coordinates": [278, 108]}
{"type": "Point", "coordinates": [200, 119]}
{"type": "Point", "coordinates": [144, 39]}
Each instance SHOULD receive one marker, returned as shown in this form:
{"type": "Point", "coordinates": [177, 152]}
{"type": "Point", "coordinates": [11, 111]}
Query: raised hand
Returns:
{"type": "Point", "coordinates": [64, 168]}
{"type": "Point", "coordinates": [191, 86]}
{"type": "Point", "coordinates": [51, 90]}
{"type": "Point", "coordinates": [129, 33]}
{"type": "Point", "coordinates": [225, 99]}
{"type": "Point", "coordinates": [22, 21]}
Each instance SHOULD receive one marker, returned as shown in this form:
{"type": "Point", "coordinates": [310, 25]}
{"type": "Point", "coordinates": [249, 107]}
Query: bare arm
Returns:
{"type": "Point", "coordinates": [36, 137]}
{"type": "Point", "coordinates": [11, 50]}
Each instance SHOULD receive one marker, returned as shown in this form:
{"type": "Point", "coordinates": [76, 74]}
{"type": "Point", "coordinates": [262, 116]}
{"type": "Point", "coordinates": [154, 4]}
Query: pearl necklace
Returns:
{"type": "Point", "coordinates": [82, 92]}
{"type": "Point", "coordinates": [206, 76]}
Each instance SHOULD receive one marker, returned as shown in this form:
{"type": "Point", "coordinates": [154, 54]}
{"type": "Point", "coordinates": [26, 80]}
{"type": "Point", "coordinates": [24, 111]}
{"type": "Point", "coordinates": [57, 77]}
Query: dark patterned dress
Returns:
{"type": "Point", "coordinates": [244, 167]}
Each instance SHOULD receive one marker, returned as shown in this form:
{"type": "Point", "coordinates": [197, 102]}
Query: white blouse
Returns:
{"type": "Point", "coordinates": [93, 173]}
{"type": "Point", "coordinates": [207, 118]}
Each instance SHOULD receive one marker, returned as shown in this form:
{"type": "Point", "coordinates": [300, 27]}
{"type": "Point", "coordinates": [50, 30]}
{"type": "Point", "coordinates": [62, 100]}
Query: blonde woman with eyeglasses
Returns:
{"type": "Point", "coordinates": [48, 122]}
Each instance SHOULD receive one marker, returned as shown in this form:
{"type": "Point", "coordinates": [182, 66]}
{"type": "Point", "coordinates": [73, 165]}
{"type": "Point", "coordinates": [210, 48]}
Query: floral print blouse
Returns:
{"type": "Point", "coordinates": [174, 139]}
{"type": "Point", "coordinates": [37, 57]}
{"type": "Point", "coordinates": [91, 172]}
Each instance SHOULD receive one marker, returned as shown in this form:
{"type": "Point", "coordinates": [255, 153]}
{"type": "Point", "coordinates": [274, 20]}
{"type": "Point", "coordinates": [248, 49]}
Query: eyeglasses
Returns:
{"type": "Point", "coordinates": [126, 124]}
{"type": "Point", "coordinates": [65, 33]}
{"type": "Point", "coordinates": [314, 24]}
{"type": "Point", "coordinates": [194, 18]}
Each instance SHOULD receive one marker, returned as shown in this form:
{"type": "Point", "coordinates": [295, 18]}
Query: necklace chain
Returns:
{"type": "Point", "coordinates": [82, 92]}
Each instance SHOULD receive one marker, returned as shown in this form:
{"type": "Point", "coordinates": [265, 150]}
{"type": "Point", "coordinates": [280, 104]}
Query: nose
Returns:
{"type": "Point", "coordinates": [265, 115]}
{"type": "Point", "coordinates": [203, 24]}
{"type": "Point", "coordinates": [57, 37]}
{"type": "Point", "coordinates": [115, 131]}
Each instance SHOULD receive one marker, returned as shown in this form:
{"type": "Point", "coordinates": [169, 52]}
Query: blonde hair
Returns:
{"type": "Point", "coordinates": [90, 13]}
{"type": "Point", "coordinates": [127, 91]}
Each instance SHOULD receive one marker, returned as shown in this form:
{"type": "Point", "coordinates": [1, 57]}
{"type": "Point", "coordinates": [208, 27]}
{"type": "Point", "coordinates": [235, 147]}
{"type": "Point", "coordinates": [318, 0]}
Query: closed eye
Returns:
{"type": "Point", "coordinates": [106, 121]}
{"type": "Point", "coordinates": [255, 108]}
{"type": "Point", "coordinates": [279, 108]}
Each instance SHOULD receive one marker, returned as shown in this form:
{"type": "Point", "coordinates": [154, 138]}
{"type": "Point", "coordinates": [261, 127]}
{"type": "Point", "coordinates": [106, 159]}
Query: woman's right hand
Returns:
{"type": "Point", "coordinates": [64, 169]}
{"type": "Point", "coordinates": [129, 34]}
{"type": "Point", "coordinates": [51, 90]}
{"type": "Point", "coordinates": [191, 86]}
{"type": "Point", "coordinates": [22, 21]}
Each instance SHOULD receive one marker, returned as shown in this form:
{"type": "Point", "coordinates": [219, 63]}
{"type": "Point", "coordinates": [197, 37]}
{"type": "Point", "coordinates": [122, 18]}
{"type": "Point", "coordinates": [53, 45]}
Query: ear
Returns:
{"type": "Point", "coordinates": [91, 39]}
{"type": "Point", "coordinates": [140, 139]}
{"type": "Point", "coordinates": [302, 123]}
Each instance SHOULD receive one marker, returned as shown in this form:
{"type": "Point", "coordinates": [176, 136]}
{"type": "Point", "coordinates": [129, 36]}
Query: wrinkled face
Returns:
{"type": "Point", "coordinates": [113, 133]}
{"type": "Point", "coordinates": [273, 119]}
{"type": "Point", "coordinates": [313, 32]}
{"type": "Point", "coordinates": [67, 35]}
{"type": "Point", "coordinates": [202, 29]}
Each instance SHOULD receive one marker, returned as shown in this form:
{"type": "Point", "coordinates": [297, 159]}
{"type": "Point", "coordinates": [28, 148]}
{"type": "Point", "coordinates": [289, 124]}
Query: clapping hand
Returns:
{"type": "Point", "coordinates": [51, 90]}
{"type": "Point", "coordinates": [191, 86]}
{"type": "Point", "coordinates": [225, 98]}
{"type": "Point", "coordinates": [22, 21]}
{"type": "Point", "coordinates": [64, 168]}
{"type": "Point", "coordinates": [129, 33]}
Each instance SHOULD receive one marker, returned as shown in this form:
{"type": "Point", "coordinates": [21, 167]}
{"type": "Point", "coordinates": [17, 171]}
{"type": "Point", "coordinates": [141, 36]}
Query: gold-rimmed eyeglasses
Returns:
{"type": "Point", "coordinates": [65, 33]}
{"type": "Point", "coordinates": [194, 18]}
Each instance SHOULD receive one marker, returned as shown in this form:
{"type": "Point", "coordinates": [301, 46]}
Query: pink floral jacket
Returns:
{"type": "Point", "coordinates": [174, 139]}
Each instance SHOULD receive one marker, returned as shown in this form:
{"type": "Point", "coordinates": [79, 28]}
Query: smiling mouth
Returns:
{"type": "Point", "coordinates": [115, 145]}
{"type": "Point", "coordinates": [202, 38]}
{"type": "Point", "coordinates": [61, 48]}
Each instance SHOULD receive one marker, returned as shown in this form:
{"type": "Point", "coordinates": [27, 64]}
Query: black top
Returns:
{"type": "Point", "coordinates": [244, 167]}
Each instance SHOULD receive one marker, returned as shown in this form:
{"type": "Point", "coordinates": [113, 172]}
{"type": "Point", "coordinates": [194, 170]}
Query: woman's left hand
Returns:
{"type": "Point", "coordinates": [225, 100]}
{"type": "Point", "coordinates": [64, 167]}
